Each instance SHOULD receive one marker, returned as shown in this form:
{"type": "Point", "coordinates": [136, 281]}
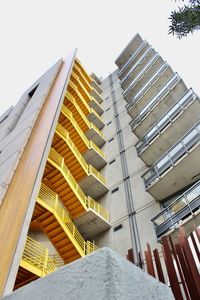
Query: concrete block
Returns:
{"type": "Point", "coordinates": [103, 275]}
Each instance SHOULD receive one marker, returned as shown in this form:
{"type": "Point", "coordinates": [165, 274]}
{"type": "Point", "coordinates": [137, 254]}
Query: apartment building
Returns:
{"type": "Point", "coordinates": [87, 163]}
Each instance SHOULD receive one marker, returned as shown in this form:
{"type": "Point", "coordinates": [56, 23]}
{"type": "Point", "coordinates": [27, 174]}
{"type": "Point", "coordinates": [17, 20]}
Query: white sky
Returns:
{"type": "Point", "coordinates": [34, 34]}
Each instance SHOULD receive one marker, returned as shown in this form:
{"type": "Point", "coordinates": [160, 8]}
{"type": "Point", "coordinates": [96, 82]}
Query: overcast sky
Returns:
{"type": "Point", "coordinates": [34, 34]}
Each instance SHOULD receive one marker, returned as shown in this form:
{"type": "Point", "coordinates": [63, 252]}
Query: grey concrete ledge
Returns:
{"type": "Point", "coordinates": [103, 275]}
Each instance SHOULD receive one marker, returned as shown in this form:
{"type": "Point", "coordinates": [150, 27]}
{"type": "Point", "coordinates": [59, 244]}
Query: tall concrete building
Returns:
{"type": "Point", "coordinates": [87, 163]}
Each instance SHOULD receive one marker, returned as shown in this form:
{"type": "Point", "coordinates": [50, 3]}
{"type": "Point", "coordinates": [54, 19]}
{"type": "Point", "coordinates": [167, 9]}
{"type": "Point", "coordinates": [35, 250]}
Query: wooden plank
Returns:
{"type": "Point", "coordinates": [149, 261]}
{"type": "Point", "coordinates": [158, 265]}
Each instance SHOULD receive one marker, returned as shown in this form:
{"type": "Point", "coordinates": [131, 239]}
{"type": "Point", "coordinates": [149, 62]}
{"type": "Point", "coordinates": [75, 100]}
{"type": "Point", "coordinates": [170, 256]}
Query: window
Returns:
{"type": "Point", "coordinates": [108, 109]}
{"type": "Point", "coordinates": [118, 227]}
{"type": "Point", "coordinates": [107, 98]}
{"type": "Point", "coordinates": [32, 92]}
{"type": "Point", "coordinates": [111, 140]}
{"type": "Point", "coordinates": [111, 162]}
{"type": "Point", "coordinates": [109, 123]}
{"type": "Point", "coordinates": [115, 190]}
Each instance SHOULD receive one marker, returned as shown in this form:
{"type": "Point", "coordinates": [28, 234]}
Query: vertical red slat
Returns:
{"type": "Point", "coordinates": [130, 255]}
{"type": "Point", "coordinates": [195, 245]}
{"type": "Point", "coordinates": [179, 268]}
{"type": "Point", "coordinates": [149, 261]}
{"type": "Point", "coordinates": [188, 279]}
{"type": "Point", "coordinates": [158, 265]}
{"type": "Point", "coordinates": [171, 270]}
{"type": "Point", "coordinates": [190, 259]}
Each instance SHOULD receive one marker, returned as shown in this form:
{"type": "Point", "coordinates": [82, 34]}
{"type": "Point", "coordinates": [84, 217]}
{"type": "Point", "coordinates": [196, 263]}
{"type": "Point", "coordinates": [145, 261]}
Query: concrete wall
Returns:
{"type": "Point", "coordinates": [145, 206]}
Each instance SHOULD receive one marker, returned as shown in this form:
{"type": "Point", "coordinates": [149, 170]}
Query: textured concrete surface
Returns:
{"type": "Point", "coordinates": [103, 275]}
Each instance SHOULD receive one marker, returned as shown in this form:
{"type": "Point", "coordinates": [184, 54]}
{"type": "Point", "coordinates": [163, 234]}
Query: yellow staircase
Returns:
{"type": "Point", "coordinates": [56, 222]}
{"type": "Point", "coordinates": [35, 263]}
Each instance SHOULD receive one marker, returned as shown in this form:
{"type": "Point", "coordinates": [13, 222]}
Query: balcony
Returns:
{"type": "Point", "coordinates": [170, 128]}
{"type": "Point", "coordinates": [134, 55]}
{"type": "Point", "coordinates": [183, 211]}
{"type": "Point", "coordinates": [96, 86]}
{"type": "Point", "coordinates": [96, 106]}
{"type": "Point", "coordinates": [96, 96]}
{"type": "Point", "coordinates": [137, 67]}
{"type": "Point", "coordinates": [149, 90]}
{"type": "Point", "coordinates": [147, 72]}
{"type": "Point", "coordinates": [174, 89]}
{"type": "Point", "coordinates": [177, 168]}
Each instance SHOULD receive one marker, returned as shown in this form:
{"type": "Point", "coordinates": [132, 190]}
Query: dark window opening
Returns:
{"type": "Point", "coordinates": [111, 140]}
{"type": "Point", "coordinates": [108, 109]}
{"type": "Point", "coordinates": [109, 123]}
{"type": "Point", "coordinates": [115, 190]}
{"type": "Point", "coordinates": [32, 92]}
{"type": "Point", "coordinates": [118, 227]}
{"type": "Point", "coordinates": [111, 162]}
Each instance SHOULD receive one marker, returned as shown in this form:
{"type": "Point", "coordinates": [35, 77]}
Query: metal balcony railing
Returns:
{"type": "Point", "coordinates": [188, 98]}
{"type": "Point", "coordinates": [36, 258]}
{"type": "Point", "coordinates": [155, 100]}
{"type": "Point", "coordinates": [137, 64]}
{"type": "Point", "coordinates": [147, 86]}
{"type": "Point", "coordinates": [141, 74]}
{"type": "Point", "coordinates": [172, 156]}
{"type": "Point", "coordinates": [133, 56]}
{"type": "Point", "coordinates": [184, 206]}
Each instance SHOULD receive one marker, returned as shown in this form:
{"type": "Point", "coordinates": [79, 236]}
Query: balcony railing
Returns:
{"type": "Point", "coordinates": [133, 56]}
{"type": "Point", "coordinates": [184, 206]}
{"type": "Point", "coordinates": [154, 101]}
{"type": "Point", "coordinates": [165, 120]}
{"type": "Point", "coordinates": [147, 86]}
{"type": "Point", "coordinates": [172, 156]}
{"type": "Point", "coordinates": [137, 64]}
{"type": "Point", "coordinates": [141, 74]}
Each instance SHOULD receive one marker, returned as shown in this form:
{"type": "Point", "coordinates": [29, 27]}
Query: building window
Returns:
{"type": "Point", "coordinates": [111, 140]}
{"type": "Point", "coordinates": [118, 227]}
{"type": "Point", "coordinates": [107, 98]}
{"type": "Point", "coordinates": [115, 190]}
{"type": "Point", "coordinates": [111, 162]}
{"type": "Point", "coordinates": [109, 123]}
{"type": "Point", "coordinates": [108, 109]}
{"type": "Point", "coordinates": [32, 92]}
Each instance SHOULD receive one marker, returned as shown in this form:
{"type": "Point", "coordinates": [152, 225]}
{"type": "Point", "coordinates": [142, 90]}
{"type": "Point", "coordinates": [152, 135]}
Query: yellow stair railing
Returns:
{"type": "Point", "coordinates": [35, 258]}
{"type": "Point", "coordinates": [71, 98]}
{"type": "Point", "coordinates": [50, 201]}
{"type": "Point", "coordinates": [58, 161]}
{"type": "Point", "coordinates": [89, 169]}
{"type": "Point", "coordinates": [76, 79]}
{"type": "Point", "coordinates": [89, 144]}
{"type": "Point", "coordinates": [90, 125]}
{"type": "Point", "coordinates": [88, 78]}
{"type": "Point", "coordinates": [81, 76]}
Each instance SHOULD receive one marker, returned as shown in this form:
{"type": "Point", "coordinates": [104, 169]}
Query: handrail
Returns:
{"type": "Point", "coordinates": [63, 133]}
{"type": "Point", "coordinates": [138, 63]}
{"type": "Point", "coordinates": [141, 74]}
{"type": "Point", "coordinates": [59, 211]}
{"type": "Point", "coordinates": [82, 77]}
{"type": "Point", "coordinates": [77, 80]}
{"type": "Point", "coordinates": [147, 86]}
{"type": "Point", "coordinates": [77, 62]}
{"type": "Point", "coordinates": [173, 155]}
{"type": "Point", "coordinates": [187, 99]}
{"type": "Point", "coordinates": [133, 56]}
{"type": "Point", "coordinates": [176, 211]}
{"type": "Point", "coordinates": [36, 255]}
{"type": "Point", "coordinates": [59, 161]}
{"type": "Point", "coordinates": [87, 122]}
{"type": "Point", "coordinates": [92, 204]}
{"type": "Point", "coordinates": [158, 97]}
{"type": "Point", "coordinates": [71, 98]}
{"type": "Point", "coordinates": [89, 144]}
